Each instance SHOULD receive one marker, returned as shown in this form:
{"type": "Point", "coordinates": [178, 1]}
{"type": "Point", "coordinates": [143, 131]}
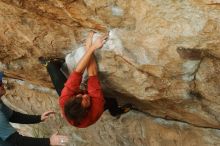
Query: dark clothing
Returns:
{"type": "Point", "coordinates": [20, 118]}
{"type": "Point", "coordinates": [59, 79]}
{"type": "Point", "coordinates": [4, 143]}
{"type": "Point", "coordinates": [18, 140]}
{"type": "Point", "coordinates": [8, 134]}
{"type": "Point", "coordinates": [112, 105]}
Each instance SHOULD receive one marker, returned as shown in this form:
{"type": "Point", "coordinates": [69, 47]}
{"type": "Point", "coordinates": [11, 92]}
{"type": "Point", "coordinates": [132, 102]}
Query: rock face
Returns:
{"type": "Point", "coordinates": [133, 128]}
{"type": "Point", "coordinates": [163, 56]}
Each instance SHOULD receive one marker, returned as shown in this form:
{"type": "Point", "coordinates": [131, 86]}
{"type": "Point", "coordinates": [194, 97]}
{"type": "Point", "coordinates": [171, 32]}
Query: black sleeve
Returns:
{"type": "Point", "coordinates": [17, 117]}
{"type": "Point", "coordinates": [19, 140]}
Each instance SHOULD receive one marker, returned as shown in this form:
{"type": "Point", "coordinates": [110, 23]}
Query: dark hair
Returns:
{"type": "Point", "coordinates": [73, 109]}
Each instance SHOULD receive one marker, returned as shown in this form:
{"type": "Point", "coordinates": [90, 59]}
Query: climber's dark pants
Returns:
{"type": "Point", "coordinates": [58, 79]}
{"type": "Point", "coordinates": [112, 105]}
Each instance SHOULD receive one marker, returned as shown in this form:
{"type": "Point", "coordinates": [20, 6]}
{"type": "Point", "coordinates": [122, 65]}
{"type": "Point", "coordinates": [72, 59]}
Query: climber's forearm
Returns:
{"type": "Point", "coordinates": [92, 67]}
{"type": "Point", "coordinates": [85, 60]}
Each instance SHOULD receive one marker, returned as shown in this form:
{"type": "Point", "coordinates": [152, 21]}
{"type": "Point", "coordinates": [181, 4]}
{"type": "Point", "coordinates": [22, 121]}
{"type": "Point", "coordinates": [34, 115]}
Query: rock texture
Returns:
{"type": "Point", "coordinates": [133, 128]}
{"type": "Point", "coordinates": [163, 56]}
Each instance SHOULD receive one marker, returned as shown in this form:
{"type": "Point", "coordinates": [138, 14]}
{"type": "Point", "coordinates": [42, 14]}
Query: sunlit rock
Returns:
{"type": "Point", "coordinates": [162, 56]}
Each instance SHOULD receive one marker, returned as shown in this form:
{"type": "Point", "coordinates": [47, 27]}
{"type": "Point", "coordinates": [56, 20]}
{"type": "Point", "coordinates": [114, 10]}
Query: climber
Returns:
{"type": "Point", "coordinates": [10, 137]}
{"type": "Point", "coordinates": [81, 105]}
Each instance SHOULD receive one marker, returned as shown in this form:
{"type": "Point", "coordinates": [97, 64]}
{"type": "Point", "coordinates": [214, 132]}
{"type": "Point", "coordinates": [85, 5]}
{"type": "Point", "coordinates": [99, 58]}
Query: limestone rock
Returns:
{"type": "Point", "coordinates": [163, 56]}
{"type": "Point", "coordinates": [133, 128]}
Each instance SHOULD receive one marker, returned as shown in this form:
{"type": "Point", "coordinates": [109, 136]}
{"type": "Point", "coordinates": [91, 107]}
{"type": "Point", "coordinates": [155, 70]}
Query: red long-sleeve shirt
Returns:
{"type": "Point", "coordinates": [94, 91]}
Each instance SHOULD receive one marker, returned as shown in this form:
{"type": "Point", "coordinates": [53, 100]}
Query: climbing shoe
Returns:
{"type": "Point", "coordinates": [126, 108]}
{"type": "Point", "coordinates": [45, 60]}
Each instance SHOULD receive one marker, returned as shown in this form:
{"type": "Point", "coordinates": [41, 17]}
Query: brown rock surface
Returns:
{"type": "Point", "coordinates": [163, 56]}
{"type": "Point", "coordinates": [133, 128]}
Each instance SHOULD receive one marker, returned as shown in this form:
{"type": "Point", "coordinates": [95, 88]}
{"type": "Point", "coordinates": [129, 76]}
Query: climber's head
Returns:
{"type": "Point", "coordinates": [76, 108]}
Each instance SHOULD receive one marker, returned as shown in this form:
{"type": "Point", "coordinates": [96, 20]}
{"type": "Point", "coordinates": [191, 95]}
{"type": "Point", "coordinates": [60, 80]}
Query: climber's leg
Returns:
{"type": "Point", "coordinates": [112, 105]}
{"type": "Point", "coordinates": [53, 67]}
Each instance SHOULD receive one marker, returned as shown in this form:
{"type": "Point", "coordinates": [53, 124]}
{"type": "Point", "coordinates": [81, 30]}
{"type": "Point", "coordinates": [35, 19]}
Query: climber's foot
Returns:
{"type": "Point", "coordinates": [45, 60]}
